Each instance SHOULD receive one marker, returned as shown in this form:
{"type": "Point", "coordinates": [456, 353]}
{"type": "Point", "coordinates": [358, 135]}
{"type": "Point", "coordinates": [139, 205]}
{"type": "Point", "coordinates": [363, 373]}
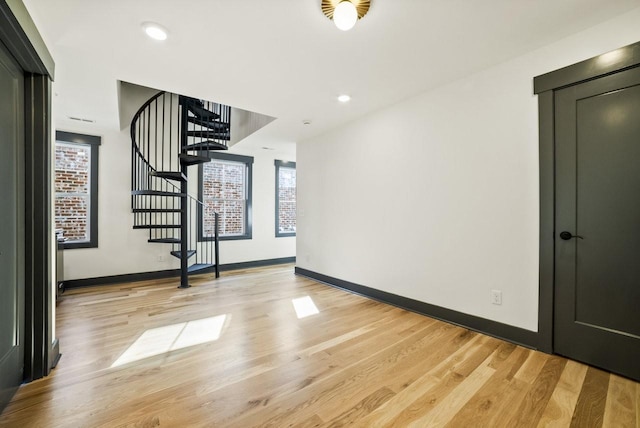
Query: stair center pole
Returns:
{"type": "Point", "coordinates": [184, 241]}
{"type": "Point", "coordinates": [184, 208]}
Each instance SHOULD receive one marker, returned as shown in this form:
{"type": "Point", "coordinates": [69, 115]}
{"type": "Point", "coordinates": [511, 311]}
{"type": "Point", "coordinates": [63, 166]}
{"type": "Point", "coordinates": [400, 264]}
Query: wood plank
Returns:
{"type": "Point", "coordinates": [446, 409]}
{"type": "Point", "coordinates": [531, 368]}
{"type": "Point", "coordinates": [490, 399]}
{"type": "Point", "coordinates": [442, 391]}
{"type": "Point", "coordinates": [589, 409]}
{"type": "Point", "coordinates": [562, 403]}
{"type": "Point", "coordinates": [363, 408]}
{"type": "Point", "coordinates": [392, 409]}
{"type": "Point", "coordinates": [531, 409]}
{"type": "Point", "coordinates": [620, 407]}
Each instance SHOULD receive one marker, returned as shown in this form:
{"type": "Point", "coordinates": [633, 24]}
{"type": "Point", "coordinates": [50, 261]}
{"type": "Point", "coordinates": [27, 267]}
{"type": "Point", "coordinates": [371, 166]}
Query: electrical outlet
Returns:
{"type": "Point", "coordinates": [496, 297]}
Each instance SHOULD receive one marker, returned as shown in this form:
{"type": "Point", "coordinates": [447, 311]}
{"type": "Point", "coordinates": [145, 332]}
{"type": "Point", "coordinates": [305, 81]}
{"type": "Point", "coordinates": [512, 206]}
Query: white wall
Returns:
{"type": "Point", "coordinates": [436, 198]}
{"type": "Point", "coordinates": [122, 250]}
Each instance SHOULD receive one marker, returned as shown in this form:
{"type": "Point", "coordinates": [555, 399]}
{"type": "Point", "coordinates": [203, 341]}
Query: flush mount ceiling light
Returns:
{"type": "Point", "coordinates": [345, 13]}
{"type": "Point", "coordinates": [155, 31]}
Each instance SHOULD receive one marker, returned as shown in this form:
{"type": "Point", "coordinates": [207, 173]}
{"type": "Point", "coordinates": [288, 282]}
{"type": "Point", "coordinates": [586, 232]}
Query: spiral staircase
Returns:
{"type": "Point", "coordinates": [171, 133]}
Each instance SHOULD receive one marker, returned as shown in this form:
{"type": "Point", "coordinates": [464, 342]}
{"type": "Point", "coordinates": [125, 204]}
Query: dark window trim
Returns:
{"type": "Point", "coordinates": [248, 161]}
{"type": "Point", "coordinates": [94, 142]}
{"type": "Point", "coordinates": [278, 164]}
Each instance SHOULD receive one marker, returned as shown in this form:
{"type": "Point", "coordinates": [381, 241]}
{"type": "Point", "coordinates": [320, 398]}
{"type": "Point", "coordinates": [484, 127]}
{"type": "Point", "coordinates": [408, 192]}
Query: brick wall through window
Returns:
{"type": "Point", "coordinates": [224, 191]}
{"type": "Point", "coordinates": [286, 199]}
{"type": "Point", "coordinates": [72, 187]}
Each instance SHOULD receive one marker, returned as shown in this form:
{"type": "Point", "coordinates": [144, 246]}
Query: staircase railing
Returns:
{"type": "Point", "coordinates": [160, 131]}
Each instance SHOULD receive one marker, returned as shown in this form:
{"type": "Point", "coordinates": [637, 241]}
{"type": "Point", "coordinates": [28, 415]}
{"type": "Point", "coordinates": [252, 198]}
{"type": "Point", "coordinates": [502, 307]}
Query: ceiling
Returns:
{"type": "Point", "coordinates": [284, 58]}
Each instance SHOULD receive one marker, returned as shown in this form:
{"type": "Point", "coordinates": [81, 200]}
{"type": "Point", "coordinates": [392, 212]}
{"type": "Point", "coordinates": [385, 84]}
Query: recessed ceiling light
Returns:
{"type": "Point", "coordinates": [155, 31]}
{"type": "Point", "coordinates": [344, 98]}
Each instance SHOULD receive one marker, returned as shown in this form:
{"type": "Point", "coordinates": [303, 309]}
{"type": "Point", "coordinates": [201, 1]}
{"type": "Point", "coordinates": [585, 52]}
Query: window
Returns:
{"type": "Point", "coordinates": [76, 189]}
{"type": "Point", "coordinates": [225, 188]}
{"type": "Point", "coordinates": [285, 198]}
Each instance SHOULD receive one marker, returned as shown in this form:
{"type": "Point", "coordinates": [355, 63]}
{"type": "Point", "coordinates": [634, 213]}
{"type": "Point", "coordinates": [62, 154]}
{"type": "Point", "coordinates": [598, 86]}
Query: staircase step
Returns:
{"type": "Point", "coordinates": [205, 145]}
{"type": "Point", "coordinates": [218, 126]}
{"type": "Point", "coordinates": [193, 160]}
{"type": "Point", "coordinates": [195, 106]}
{"type": "Point", "coordinates": [157, 193]}
{"type": "Point", "coordinates": [165, 240]}
{"type": "Point", "coordinates": [178, 254]}
{"type": "Point", "coordinates": [169, 175]}
{"type": "Point", "coordinates": [199, 267]}
{"type": "Point", "coordinates": [202, 113]}
{"type": "Point", "coordinates": [198, 109]}
{"type": "Point", "coordinates": [210, 134]}
{"type": "Point", "coordinates": [156, 226]}
{"type": "Point", "coordinates": [156, 210]}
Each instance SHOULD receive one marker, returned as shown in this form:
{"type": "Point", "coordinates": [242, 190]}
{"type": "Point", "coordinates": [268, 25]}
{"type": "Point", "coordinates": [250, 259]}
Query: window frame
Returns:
{"type": "Point", "coordinates": [282, 164]}
{"type": "Point", "coordinates": [248, 220]}
{"type": "Point", "coordinates": [93, 142]}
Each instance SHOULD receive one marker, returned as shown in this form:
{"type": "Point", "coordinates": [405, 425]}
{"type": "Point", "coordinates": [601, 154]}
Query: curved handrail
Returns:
{"type": "Point", "coordinates": [135, 120]}
{"type": "Point", "coordinates": [136, 146]}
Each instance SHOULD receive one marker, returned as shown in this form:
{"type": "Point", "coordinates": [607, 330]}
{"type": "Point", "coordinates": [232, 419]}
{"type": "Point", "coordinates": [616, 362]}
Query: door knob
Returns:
{"type": "Point", "coordinates": [567, 235]}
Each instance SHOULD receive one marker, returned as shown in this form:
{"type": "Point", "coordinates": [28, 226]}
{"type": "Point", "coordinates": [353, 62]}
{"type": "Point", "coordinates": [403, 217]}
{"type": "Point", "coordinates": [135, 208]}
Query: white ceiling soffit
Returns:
{"type": "Point", "coordinates": [131, 96]}
{"type": "Point", "coordinates": [284, 58]}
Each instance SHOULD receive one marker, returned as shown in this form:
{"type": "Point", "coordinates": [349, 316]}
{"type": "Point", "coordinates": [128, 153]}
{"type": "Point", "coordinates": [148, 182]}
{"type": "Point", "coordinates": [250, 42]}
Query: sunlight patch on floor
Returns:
{"type": "Point", "coordinates": [169, 338]}
{"type": "Point", "coordinates": [304, 307]}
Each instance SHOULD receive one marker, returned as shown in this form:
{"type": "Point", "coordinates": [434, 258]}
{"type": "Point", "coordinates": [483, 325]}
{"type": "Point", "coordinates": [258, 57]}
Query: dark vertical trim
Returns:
{"type": "Point", "coordinates": [95, 209]}
{"type": "Point", "coordinates": [20, 35]}
{"type": "Point", "coordinates": [248, 233]}
{"type": "Point", "coordinates": [278, 164]}
{"type": "Point", "coordinates": [29, 215]}
{"type": "Point", "coordinates": [38, 232]}
{"type": "Point", "coordinates": [94, 143]}
{"type": "Point", "coordinates": [547, 220]}
{"type": "Point", "coordinates": [13, 281]}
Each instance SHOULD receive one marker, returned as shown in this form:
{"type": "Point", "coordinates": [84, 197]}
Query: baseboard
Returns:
{"type": "Point", "coordinates": [119, 279]}
{"type": "Point", "coordinates": [169, 273]}
{"type": "Point", "coordinates": [257, 263]}
{"type": "Point", "coordinates": [507, 332]}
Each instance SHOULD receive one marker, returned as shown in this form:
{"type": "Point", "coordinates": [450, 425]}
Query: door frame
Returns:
{"type": "Point", "coordinates": [545, 86]}
{"type": "Point", "coordinates": [20, 36]}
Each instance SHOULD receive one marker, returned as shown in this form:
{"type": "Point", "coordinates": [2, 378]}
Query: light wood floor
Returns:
{"type": "Point", "coordinates": [232, 352]}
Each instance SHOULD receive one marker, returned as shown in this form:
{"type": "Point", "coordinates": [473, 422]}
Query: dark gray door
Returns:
{"type": "Point", "coordinates": [597, 275]}
{"type": "Point", "coordinates": [11, 227]}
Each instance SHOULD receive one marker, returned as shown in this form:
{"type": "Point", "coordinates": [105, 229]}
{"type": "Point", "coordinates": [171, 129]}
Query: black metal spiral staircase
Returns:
{"type": "Point", "coordinates": [170, 133]}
